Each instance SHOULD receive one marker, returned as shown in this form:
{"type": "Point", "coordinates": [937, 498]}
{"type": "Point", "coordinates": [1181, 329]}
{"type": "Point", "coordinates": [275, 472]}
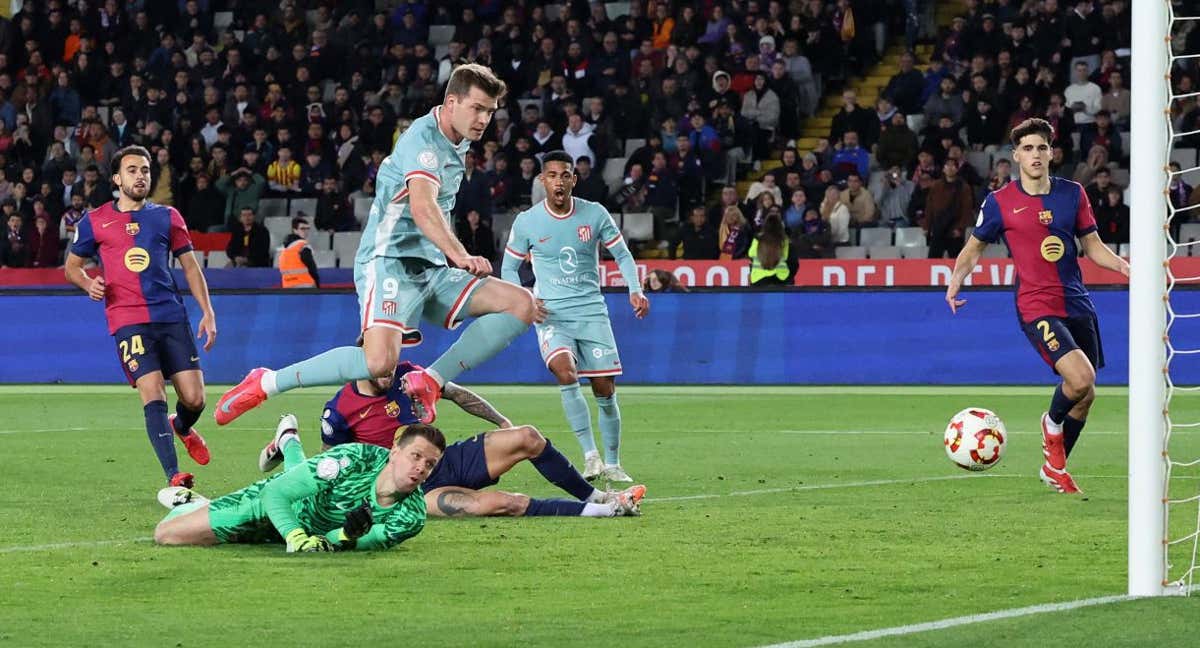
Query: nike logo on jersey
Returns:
{"type": "Point", "coordinates": [544, 239]}
{"type": "Point", "coordinates": [364, 413]}
{"type": "Point", "coordinates": [1018, 210]}
{"type": "Point", "coordinates": [195, 358]}
{"type": "Point", "coordinates": [103, 225]}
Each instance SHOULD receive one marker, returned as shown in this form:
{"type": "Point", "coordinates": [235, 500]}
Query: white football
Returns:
{"type": "Point", "coordinates": [975, 439]}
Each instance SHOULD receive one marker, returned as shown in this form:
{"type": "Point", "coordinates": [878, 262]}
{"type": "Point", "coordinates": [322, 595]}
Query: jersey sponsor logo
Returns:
{"type": "Point", "coordinates": [328, 468]}
{"type": "Point", "coordinates": [132, 229]}
{"type": "Point", "coordinates": [585, 233]}
{"type": "Point", "coordinates": [428, 159]}
{"type": "Point", "coordinates": [137, 259]}
{"type": "Point", "coordinates": [392, 409]}
{"type": "Point", "coordinates": [1045, 217]}
{"type": "Point", "coordinates": [544, 239]}
{"type": "Point", "coordinates": [1053, 248]}
{"type": "Point", "coordinates": [568, 262]}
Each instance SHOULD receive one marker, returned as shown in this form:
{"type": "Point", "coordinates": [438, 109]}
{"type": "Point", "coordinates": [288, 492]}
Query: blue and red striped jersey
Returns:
{"type": "Point", "coordinates": [351, 416]}
{"type": "Point", "coordinates": [135, 249]}
{"type": "Point", "coordinates": [1040, 232]}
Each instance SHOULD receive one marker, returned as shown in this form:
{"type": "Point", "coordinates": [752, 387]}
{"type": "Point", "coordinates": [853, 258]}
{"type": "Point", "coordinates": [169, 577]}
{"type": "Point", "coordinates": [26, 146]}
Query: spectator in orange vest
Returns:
{"type": "Point", "coordinates": [296, 262]}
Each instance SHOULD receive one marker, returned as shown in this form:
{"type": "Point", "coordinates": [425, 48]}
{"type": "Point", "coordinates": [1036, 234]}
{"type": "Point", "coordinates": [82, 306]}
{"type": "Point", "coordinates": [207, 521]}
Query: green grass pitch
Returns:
{"type": "Point", "coordinates": [773, 514]}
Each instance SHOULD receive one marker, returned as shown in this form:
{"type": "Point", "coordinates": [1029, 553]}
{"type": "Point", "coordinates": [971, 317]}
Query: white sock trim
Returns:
{"type": "Point", "coordinates": [597, 497]}
{"type": "Point", "coordinates": [599, 510]}
{"type": "Point", "coordinates": [1052, 428]}
{"type": "Point", "coordinates": [267, 382]}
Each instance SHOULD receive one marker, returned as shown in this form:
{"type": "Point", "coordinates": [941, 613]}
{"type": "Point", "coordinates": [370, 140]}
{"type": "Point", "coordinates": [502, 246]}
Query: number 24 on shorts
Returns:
{"type": "Point", "coordinates": [131, 347]}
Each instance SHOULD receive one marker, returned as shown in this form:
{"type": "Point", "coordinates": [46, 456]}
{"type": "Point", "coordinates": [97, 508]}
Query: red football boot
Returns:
{"type": "Point", "coordinates": [241, 399]}
{"type": "Point", "coordinates": [196, 447]}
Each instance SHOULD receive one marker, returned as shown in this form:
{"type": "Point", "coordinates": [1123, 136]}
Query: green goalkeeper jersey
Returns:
{"type": "Point", "coordinates": [315, 496]}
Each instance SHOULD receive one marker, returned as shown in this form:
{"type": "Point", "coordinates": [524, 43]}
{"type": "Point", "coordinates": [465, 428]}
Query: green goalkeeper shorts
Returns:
{"type": "Point", "coordinates": [240, 517]}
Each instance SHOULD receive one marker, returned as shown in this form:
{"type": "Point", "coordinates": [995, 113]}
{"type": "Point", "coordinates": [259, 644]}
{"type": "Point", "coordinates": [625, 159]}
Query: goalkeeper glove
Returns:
{"type": "Point", "coordinates": [358, 523]}
{"type": "Point", "coordinates": [299, 541]}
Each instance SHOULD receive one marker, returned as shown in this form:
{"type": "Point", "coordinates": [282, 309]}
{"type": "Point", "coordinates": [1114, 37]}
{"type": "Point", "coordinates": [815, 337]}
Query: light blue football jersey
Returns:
{"type": "Point", "coordinates": [565, 252]}
{"type": "Point", "coordinates": [422, 151]}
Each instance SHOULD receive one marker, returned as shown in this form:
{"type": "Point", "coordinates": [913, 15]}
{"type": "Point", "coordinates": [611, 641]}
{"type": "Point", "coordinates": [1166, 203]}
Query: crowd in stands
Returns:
{"type": "Point", "coordinates": [242, 101]}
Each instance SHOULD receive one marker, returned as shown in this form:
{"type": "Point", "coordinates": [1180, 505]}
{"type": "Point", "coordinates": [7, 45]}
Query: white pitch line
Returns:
{"type": "Point", "coordinates": [930, 433]}
{"type": "Point", "coordinates": [67, 545]}
{"type": "Point", "coordinates": [970, 619]}
{"type": "Point", "coordinates": [812, 487]}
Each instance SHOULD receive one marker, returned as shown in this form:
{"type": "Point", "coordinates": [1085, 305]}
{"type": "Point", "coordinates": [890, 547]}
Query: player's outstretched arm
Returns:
{"type": "Point", "coordinates": [422, 199]}
{"type": "Point", "coordinates": [194, 275]}
{"type": "Point", "coordinates": [963, 266]}
{"type": "Point", "coordinates": [278, 497]}
{"type": "Point", "coordinates": [75, 274]}
{"type": "Point", "coordinates": [474, 404]}
{"type": "Point", "coordinates": [1102, 255]}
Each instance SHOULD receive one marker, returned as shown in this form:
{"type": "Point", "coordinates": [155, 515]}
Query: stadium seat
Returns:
{"type": "Point", "coordinates": [222, 20]}
{"type": "Point", "coordinates": [883, 252]}
{"type": "Point", "coordinates": [319, 240]}
{"type": "Point", "coordinates": [1123, 250]}
{"type": "Point", "coordinates": [914, 252]}
{"type": "Point", "coordinates": [875, 236]}
{"type": "Point", "coordinates": [325, 259]}
{"type": "Point", "coordinates": [275, 256]}
{"type": "Point", "coordinates": [1120, 177]}
{"type": "Point", "coordinates": [632, 144]}
{"type": "Point", "coordinates": [1114, 248]}
{"type": "Point", "coordinates": [217, 259]}
{"type": "Point", "coordinates": [616, 9]}
{"type": "Point", "coordinates": [553, 11]}
{"type": "Point", "coordinates": [525, 103]}
{"type": "Point", "coordinates": [279, 227]}
{"type": "Point", "coordinates": [441, 34]}
{"type": "Point", "coordinates": [614, 173]}
{"type": "Point", "coordinates": [362, 209]}
{"type": "Point", "coordinates": [440, 52]}
{"type": "Point", "coordinates": [910, 237]}
{"type": "Point", "coordinates": [981, 161]}
{"type": "Point", "coordinates": [851, 252]}
{"type": "Point", "coordinates": [306, 207]}
{"type": "Point", "coordinates": [345, 244]}
{"type": "Point", "coordinates": [268, 207]}
{"type": "Point", "coordinates": [1189, 232]}
{"type": "Point", "coordinates": [638, 226]}
{"type": "Point", "coordinates": [1186, 157]}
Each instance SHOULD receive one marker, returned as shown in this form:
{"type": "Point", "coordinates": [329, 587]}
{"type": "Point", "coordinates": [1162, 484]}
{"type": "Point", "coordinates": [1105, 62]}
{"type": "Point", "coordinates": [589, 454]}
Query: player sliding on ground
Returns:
{"type": "Point", "coordinates": [561, 236]}
{"type": "Point", "coordinates": [145, 312]}
{"type": "Point", "coordinates": [411, 265]}
{"type": "Point", "coordinates": [369, 411]}
{"type": "Point", "coordinates": [354, 496]}
{"type": "Point", "coordinates": [1039, 217]}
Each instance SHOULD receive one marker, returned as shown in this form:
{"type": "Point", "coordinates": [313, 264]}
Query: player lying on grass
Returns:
{"type": "Point", "coordinates": [355, 496]}
{"type": "Point", "coordinates": [369, 411]}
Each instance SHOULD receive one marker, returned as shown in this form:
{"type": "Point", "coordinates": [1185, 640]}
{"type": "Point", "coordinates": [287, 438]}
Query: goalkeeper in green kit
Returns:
{"type": "Point", "coordinates": [353, 496]}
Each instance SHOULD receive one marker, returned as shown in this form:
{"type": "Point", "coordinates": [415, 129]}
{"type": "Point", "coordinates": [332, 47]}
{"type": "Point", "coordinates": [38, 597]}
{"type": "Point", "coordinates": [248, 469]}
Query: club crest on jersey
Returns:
{"type": "Point", "coordinates": [132, 229]}
{"type": "Point", "coordinates": [1045, 217]}
{"type": "Point", "coordinates": [389, 308]}
{"type": "Point", "coordinates": [392, 409]}
{"type": "Point", "coordinates": [428, 159]}
{"type": "Point", "coordinates": [585, 233]}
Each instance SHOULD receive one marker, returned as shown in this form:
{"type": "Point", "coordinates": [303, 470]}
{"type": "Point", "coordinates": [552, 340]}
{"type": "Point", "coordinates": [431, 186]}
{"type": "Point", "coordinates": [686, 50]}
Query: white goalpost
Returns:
{"type": "Point", "coordinates": [1150, 144]}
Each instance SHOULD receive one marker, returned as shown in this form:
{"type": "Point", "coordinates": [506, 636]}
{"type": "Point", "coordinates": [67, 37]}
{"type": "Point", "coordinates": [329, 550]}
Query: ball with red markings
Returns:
{"type": "Point", "coordinates": [975, 439]}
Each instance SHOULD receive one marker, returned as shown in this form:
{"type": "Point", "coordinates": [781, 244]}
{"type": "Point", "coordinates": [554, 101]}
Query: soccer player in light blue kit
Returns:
{"type": "Point", "coordinates": [561, 236]}
{"type": "Point", "coordinates": [411, 265]}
